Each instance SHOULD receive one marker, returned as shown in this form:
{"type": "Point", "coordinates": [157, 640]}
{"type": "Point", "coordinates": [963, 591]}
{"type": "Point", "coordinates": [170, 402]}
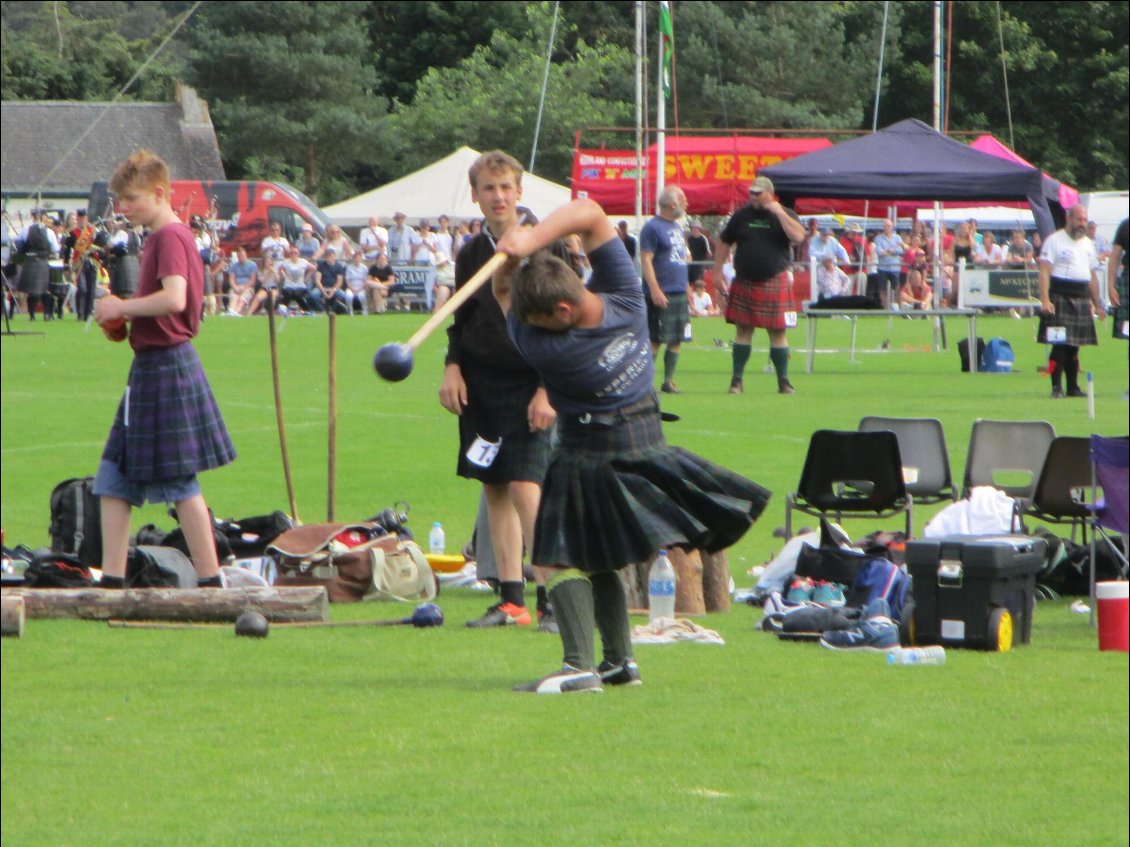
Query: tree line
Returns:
{"type": "Point", "coordinates": [338, 97]}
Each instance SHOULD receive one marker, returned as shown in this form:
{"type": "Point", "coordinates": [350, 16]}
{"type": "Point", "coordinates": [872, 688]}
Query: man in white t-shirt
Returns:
{"type": "Point", "coordinates": [373, 239]}
{"type": "Point", "coordinates": [1069, 289]}
{"type": "Point", "coordinates": [403, 241]}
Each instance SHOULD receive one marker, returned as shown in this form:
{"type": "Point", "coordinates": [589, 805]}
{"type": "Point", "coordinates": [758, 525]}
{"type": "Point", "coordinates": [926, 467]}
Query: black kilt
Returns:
{"type": "Point", "coordinates": [175, 428]}
{"type": "Point", "coordinates": [1072, 301]}
{"type": "Point", "coordinates": [497, 404]}
{"type": "Point", "coordinates": [615, 492]}
{"type": "Point", "coordinates": [35, 273]}
{"type": "Point", "coordinates": [124, 273]}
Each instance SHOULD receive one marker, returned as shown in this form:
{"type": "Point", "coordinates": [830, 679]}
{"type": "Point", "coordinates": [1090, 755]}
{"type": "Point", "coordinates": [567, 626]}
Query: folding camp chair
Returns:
{"type": "Point", "coordinates": [1007, 455]}
{"type": "Point", "coordinates": [1060, 493]}
{"type": "Point", "coordinates": [858, 474]}
{"type": "Point", "coordinates": [1110, 470]}
{"type": "Point", "coordinates": [922, 445]}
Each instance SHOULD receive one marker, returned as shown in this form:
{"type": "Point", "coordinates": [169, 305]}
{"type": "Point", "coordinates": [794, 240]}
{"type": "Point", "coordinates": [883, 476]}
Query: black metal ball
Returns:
{"type": "Point", "coordinates": [393, 362]}
{"type": "Point", "coordinates": [251, 625]}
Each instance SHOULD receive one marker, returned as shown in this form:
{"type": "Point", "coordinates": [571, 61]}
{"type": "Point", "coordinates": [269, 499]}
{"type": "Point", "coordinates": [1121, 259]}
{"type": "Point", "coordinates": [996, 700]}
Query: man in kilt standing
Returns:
{"type": "Point", "coordinates": [168, 426]}
{"type": "Point", "coordinates": [762, 292]}
{"type": "Point", "coordinates": [1069, 285]}
{"type": "Point", "coordinates": [614, 490]}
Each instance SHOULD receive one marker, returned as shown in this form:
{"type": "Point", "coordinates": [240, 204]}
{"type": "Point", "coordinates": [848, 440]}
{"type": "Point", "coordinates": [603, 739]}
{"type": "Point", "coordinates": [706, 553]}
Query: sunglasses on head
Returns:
{"type": "Point", "coordinates": [753, 193]}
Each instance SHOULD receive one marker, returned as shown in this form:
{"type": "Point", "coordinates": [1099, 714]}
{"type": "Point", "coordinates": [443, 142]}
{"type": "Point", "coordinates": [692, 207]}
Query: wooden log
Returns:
{"type": "Point", "coordinates": [716, 581]}
{"type": "Point", "coordinates": [12, 617]}
{"type": "Point", "coordinates": [688, 582]}
{"type": "Point", "coordinates": [307, 603]}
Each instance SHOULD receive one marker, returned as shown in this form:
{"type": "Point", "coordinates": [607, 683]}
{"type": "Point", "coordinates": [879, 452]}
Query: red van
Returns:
{"type": "Point", "coordinates": [239, 213]}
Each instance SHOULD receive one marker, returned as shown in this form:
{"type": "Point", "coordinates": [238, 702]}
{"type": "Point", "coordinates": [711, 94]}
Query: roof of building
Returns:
{"type": "Point", "coordinates": [35, 135]}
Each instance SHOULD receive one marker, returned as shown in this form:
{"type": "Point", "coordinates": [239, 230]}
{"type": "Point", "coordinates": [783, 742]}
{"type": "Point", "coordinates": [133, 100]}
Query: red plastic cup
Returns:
{"type": "Point", "coordinates": [1114, 615]}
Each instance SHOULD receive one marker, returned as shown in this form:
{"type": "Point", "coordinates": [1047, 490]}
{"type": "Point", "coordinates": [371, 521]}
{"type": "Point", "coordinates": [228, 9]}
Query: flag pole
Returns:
{"type": "Point", "coordinates": [661, 107]}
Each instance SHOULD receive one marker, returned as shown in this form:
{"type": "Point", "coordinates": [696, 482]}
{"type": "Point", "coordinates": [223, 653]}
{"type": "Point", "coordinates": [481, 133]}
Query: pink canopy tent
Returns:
{"type": "Point", "coordinates": [1068, 196]}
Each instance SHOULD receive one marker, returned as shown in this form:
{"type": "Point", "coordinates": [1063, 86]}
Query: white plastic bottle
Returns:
{"type": "Point", "coordinates": [917, 656]}
{"type": "Point", "coordinates": [661, 589]}
{"type": "Point", "coordinates": [436, 539]}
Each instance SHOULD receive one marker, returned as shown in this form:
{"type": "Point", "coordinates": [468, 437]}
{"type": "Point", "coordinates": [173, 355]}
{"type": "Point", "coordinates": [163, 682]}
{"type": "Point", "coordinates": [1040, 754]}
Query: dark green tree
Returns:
{"type": "Point", "coordinates": [490, 99]}
{"type": "Point", "coordinates": [291, 89]}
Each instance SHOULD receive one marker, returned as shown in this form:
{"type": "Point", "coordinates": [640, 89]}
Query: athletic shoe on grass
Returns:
{"type": "Point", "coordinates": [547, 622]}
{"type": "Point", "coordinates": [876, 633]}
{"type": "Point", "coordinates": [802, 589]}
{"type": "Point", "coordinates": [624, 673]}
{"type": "Point", "coordinates": [502, 614]}
{"type": "Point", "coordinates": [828, 594]}
{"type": "Point", "coordinates": [565, 681]}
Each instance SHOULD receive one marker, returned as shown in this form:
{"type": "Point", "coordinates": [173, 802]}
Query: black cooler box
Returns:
{"type": "Point", "coordinates": [974, 590]}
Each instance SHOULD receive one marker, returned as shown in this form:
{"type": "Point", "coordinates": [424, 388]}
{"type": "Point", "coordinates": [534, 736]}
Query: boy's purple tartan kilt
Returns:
{"type": "Point", "coordinates": [615, 492]}
{"type": "Point", "coordinates": [174, 427]}
{"type": "Point", "coordinates": [760, 304]}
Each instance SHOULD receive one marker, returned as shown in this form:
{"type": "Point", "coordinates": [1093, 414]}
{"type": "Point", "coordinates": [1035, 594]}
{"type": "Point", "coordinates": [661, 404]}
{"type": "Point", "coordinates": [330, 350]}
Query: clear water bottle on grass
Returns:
{"type": "Point", "coordinates": [661, 589]}
{"type": "Point", "coordinates": [917, 656]}
{"type": "Point", "coordinates": [436, 539]}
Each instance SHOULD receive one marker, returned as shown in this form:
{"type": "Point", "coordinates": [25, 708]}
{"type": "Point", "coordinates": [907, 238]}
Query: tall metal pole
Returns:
{"type": "Point", "coordinates": [639, 114]}
{"type": "Point", "coordinates": [660, 125]}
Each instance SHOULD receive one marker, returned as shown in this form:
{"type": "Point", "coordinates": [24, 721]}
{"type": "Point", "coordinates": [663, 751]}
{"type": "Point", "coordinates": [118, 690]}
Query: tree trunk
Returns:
{"type": "Point", "coordinates": [716, 581]}
{"type": "Point", "coordinates": [688, 582]}
{"type": "Point", "coordinates": [12, 616]}
{"type": "Point", "coordinates": [308, 603]}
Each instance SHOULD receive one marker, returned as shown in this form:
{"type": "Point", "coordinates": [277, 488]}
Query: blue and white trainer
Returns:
{"type": "Point", "coordinates": [876, 632]}
{"type": "Point", "coordinates": [621, 673]}
{"type": "Point", "coordinates": [565, 681]}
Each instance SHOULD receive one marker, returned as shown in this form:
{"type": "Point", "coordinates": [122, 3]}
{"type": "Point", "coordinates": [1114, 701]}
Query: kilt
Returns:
{"type": "Point", "coordinates": [1072, 301]}
{"type": "Point", "coordinates": [34, 276]}
{"type": "Point", "coordinates": [168, 424]}
{"type": "Point", "coordinates": [497, 403]}
{"type": "Point", "coordinates": [762, 303]}
{"type": "Point", "coordinates": [124, 273]}
{"type": "Point", "coordinates": [666, 326]}
{"type": "Point", "coordinates": [615, 492]}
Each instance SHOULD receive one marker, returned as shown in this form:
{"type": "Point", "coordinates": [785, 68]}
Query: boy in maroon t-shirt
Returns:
{"type": "Point", "coordinates": [168, 426]}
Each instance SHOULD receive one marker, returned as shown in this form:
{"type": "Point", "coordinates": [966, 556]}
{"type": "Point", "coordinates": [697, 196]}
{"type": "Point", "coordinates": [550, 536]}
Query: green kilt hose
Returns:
{"type": "Point", "coordinates": [615, 492]}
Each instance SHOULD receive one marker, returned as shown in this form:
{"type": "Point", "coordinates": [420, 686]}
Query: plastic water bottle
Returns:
{"type": "Point", "coordinates": [661, 589]}
{"type": "Point", "coordinates": [436, 539]}
{"type": "Point", "coordinates": [917, 656]}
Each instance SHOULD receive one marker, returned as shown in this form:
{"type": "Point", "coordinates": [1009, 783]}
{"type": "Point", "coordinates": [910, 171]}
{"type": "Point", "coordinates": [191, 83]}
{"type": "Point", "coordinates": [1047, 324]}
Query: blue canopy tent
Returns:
{"type": "Point", "coordinates": [910, 161]}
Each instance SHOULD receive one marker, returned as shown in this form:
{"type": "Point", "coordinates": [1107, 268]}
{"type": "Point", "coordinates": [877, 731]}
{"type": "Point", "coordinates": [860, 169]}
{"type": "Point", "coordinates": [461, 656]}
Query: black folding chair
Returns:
{"type": "Point", "coordinates": [1060, 496]}
{"type": "Point", "coordinates": [853, 474]}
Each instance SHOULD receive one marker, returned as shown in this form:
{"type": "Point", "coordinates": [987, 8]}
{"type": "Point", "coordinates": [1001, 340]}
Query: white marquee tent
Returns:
{"type": "Point", "coordinates": [440, 188]}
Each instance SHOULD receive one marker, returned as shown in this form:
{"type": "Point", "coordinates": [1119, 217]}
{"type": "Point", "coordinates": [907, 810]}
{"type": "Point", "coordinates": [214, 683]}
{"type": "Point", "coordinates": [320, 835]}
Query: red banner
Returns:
{"type": "Point", "coordinates": [714, 171]}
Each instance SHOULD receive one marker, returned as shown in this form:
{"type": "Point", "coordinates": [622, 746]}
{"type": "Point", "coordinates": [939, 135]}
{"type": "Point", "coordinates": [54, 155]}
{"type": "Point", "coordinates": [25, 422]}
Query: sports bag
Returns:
{"type": "Point", "coordinates": [76, 521]}
{"type": "Point", "coordinates": [354, 562]}
{"type": "Point", "coordinates": [998, 357]}
{"type": "Point", "coordinates": [153, 566]}
{"type": "Point", "coordinates": [57, 570]}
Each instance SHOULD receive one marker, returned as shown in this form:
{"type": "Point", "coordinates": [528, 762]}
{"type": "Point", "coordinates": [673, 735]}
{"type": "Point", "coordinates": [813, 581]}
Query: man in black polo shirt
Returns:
{"type": "Point", "coordinates": [761, 294]}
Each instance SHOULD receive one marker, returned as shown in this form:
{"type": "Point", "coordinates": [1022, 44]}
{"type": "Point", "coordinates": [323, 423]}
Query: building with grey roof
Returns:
{"type": "Point", "coordinates": [39, 166]}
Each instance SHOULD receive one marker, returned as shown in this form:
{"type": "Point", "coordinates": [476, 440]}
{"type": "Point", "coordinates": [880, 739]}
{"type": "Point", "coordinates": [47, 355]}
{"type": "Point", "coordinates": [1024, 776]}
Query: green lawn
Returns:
{"type": "Point", "coordinates": [403, 736]}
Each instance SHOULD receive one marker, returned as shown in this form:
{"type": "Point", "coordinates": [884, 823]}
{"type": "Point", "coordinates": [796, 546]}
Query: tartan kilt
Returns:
{"type": "Point", "coordinates": [667, 326]}
{"type": "Point", "coordinates": [124, 273]}
{"type": "Point", "coordinates": [1073, 313]}
{"type": "Point", "coordinates": [35, 273]}
{"type": "Point", "coordinates": [497, 403]}
{"type": "Point", "coordinates": [615, 493]}
{"type": "Point", "coordinates": [762, 303]}
{"type": "Point", "coordinates": [174, 426]}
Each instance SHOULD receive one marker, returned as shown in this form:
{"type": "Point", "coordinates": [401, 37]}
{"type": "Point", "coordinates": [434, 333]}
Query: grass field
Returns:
{"type": "Point", "coordinates": [403, 736]}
